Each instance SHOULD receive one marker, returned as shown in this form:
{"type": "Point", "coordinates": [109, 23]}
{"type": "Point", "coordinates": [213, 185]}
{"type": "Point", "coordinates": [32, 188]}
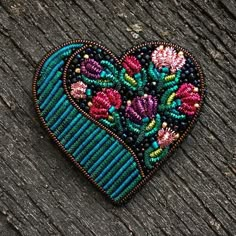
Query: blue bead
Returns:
{"type": "Point", "coordinates": [178, 101]}
{"type": "Point", "coordinates": [145, 119]}
{"type": "Point", "coordinates": [103, 74]}
{"type": "Point", "coordinates": [88, 92]}
{"type": "Point", "coordinates": [112, 109]}
{"type": "Point", "coordinates": [137, 76]}
{"type": "Point", "coordinates": [165, 70]}
{"type": "Point", "coordinates": [155, 145]}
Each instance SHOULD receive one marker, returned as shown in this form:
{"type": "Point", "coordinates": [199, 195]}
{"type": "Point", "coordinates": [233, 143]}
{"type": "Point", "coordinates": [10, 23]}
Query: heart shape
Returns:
{"type": "Point", "coordinates": [118, 119]}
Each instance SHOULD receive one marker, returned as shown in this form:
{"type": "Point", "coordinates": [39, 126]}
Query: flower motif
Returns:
{"type": "Point", "coordinates": [78, 90]}
{"type": "Point", "coordinates": [91, 68]}
{"type": "Point", "coordinates": [189, 97]}
{"type": "Point", "coordinates": [132, 65]}
{"type": "Point", "coordinates": [165, 137]}
{"type": "Point", "coordinates": [168, 57]}
{"type": "Point", "coordinates": [105, 101]}
{"type": "Point", "coordinates": [141, 107]}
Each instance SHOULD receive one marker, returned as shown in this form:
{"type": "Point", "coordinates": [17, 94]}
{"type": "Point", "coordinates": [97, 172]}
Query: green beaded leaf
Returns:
{"type": "Point", "coordinates": [135, 83]}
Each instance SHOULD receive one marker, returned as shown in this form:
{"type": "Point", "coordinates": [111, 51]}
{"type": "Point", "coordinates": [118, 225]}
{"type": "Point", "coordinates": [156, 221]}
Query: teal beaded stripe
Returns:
{"type": "Point", "coordinates": [117, 170]}
{"type": "Point", "coordinates": [104, 158]}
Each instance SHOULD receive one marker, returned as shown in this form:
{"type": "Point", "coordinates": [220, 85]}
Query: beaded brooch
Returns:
{"type": "Point", "coordinates": [117, 119]}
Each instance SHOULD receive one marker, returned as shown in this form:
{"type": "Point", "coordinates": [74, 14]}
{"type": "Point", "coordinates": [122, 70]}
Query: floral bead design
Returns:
{"type": "Point", "coordinates": [132, 65]}
{"type": "Point", "coordinates": [168, 57]}
{"type": "Point", "coordinates": [78, 90]}
{"type": "Point", "coordinates": [147, 99]}
{"type": "Point", "coordinates": [141, 108]}
{"type": "Point", "coordinates": [166, 136]}
{"type": "Point", "coordinates": [189, 97]}
{"type": "Point", "coordinates": [104, 102]}
{"type": "Point", "coordinates": [91, 68]}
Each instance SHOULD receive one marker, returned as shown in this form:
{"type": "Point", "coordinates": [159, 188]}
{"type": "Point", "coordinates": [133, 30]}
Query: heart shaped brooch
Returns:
{"type": "Point", "coordinates": [117, 119]}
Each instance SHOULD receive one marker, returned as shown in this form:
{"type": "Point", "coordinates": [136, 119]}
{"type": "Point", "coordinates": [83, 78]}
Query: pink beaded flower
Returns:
{"type": "Point", "coordinates": [78, 90]}
{"type": "Point", "coordinates": [105, 101]}
{"type": "Point", "coordinates": [165, 137]}
{"type": "Point", "coordinates": [141, 107]}
{"type": "Point", "coordinates": [168, 57]}
{"type": "Point", "coordinates": [132, 65]}
{"type": "Point", "coordinates": [189, 97]}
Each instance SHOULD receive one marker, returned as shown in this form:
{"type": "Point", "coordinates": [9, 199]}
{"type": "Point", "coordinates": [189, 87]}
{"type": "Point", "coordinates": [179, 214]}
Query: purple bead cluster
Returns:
{"type": "Point", "coordinates": [142, 107]}
{"type": "Point", "coordinates": [91, 68]}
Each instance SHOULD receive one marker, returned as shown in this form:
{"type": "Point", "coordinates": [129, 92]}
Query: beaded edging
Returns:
{"type": "Point", "coordinates": [114, 117]}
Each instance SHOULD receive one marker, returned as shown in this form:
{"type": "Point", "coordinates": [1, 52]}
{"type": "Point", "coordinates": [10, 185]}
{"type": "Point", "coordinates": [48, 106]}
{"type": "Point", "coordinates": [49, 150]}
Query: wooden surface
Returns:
{"type": "Point", "coordinates": [41, 193]}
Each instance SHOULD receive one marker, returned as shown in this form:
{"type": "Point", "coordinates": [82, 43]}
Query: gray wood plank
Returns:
{"type": "Point", "coordinates": [42, 193]}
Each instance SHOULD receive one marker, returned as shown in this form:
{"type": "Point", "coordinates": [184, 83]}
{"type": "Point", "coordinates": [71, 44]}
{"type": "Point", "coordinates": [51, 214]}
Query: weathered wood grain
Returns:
{"type": "Point", "coordinates": [41, 193]}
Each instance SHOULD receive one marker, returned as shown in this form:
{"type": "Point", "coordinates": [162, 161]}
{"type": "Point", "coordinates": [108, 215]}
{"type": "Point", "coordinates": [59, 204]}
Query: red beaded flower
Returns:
{"type": "Point", "coordinates": [132, 65]}
{"type": "Point", "coordinates": [189, 97]}
{"type": "Point", "coordinates": [104, 102]}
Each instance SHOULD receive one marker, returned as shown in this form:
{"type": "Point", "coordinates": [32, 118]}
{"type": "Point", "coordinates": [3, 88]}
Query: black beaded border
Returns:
{"type": "Point", "coordinates": [119, 60]}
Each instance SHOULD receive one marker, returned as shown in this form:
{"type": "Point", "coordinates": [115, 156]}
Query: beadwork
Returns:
{"type": "Point", "coordinates": [118, 119]}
